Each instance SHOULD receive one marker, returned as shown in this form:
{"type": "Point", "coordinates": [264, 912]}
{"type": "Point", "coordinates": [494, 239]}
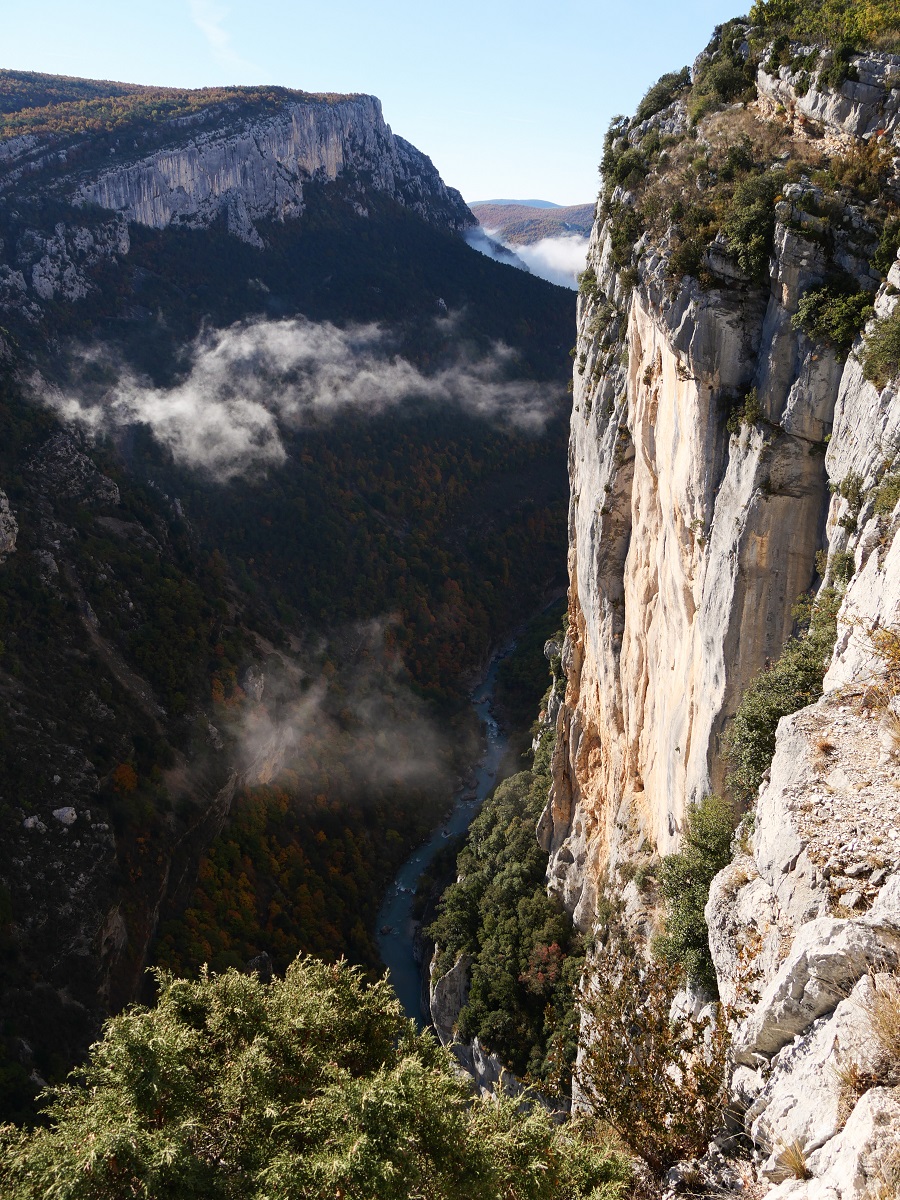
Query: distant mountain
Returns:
{"type": "Point", "coordinates": [522, 203]}
{"type": "Point", "coordinates": [519, 222]}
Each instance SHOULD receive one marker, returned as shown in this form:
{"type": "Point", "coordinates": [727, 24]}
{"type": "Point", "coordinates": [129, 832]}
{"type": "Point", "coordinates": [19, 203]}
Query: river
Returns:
{"type": "Point", "coordinates": [398, 946]}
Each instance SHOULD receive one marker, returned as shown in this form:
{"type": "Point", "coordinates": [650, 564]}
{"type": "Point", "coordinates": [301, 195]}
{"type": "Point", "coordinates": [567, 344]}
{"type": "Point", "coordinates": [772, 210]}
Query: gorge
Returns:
{"type": "Point", "coordinates": [680, 919]}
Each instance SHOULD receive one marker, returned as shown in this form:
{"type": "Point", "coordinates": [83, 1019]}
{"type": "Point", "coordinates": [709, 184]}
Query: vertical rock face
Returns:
{"type": "Point", "coordinates": [688, 545]}
{"type": "Point", "coordinates": [9, 528]}
{"type": "Point", "coordinates": [691, 536]}
{"type": "Point", "coordinates": [256, 168]}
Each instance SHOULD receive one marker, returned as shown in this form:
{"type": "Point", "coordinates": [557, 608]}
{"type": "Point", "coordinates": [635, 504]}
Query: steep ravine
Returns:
{"type": "Point", "coordinates": [721, 454]}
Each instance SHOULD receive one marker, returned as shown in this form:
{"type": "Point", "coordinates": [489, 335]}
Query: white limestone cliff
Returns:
{"type": "Point", "coordinates": [255, 169]}
{"type": "Point", "coordinates": [229, 163]}
{"type": "Point", "coordinates": [688, 546]}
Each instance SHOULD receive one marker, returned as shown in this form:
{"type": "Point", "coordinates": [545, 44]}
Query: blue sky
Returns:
{"type": "Point", "coordinates": [509, 100]}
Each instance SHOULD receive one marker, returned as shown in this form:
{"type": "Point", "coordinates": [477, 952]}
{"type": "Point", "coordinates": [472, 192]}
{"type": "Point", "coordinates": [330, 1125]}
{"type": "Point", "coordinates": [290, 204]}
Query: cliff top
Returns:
{"type": "Point", "coordinates": [32, 103]}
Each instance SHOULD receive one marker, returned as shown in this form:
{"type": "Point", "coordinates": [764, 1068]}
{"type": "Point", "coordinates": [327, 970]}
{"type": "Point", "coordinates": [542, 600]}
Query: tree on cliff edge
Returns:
{"type": "Point", "coordinates": [309, 1087]}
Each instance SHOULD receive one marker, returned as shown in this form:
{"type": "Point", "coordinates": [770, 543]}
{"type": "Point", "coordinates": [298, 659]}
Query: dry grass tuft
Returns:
{"type": "Point", "coordinates": [792, 1162]}
{"type": "Point", "coordinates": [883, 1012]}
{"type": "Point", "coordinates": [823, 748]}
{"type": "Point", "coordinates": [886, 1185]}
{"type": "Point", "coordinates": [854, 1082]}
{"type": "Point", "coordinates": [884, 643]}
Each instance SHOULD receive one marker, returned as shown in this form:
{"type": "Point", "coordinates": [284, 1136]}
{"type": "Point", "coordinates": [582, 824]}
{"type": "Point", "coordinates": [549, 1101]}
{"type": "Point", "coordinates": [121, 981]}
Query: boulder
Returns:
{"type": "Point", "coordinates": [827, 957]}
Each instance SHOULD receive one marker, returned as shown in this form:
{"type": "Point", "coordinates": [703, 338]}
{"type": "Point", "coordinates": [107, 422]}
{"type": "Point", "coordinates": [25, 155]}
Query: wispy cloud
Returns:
{"type": "Point", "coordinates": [246, 386]}
{"type": "Point", "coordinates": [556, 259]}
{"type": "Point", "coordinates": [369, 732]}
{"type": "Point", "coordinates": [209, 18]}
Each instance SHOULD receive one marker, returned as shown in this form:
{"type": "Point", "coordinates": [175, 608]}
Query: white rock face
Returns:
{"type": "Point", "coordinates": [857, 1164]}
{"type": "Point", "coordinates": [688, 546]}
{"type": "Point", "coordinates": [827, 957]}
{"type": "Point", "coordinates": [9, 528]}
{"type": "Point", "coordinates": [857, 108]}
{"type": "Point", "coordinates": [256, 169]}
{"type": "Point", "coordinates": [448, 995]}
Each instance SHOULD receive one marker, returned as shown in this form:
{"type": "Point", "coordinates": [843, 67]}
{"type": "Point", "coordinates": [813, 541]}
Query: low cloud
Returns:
{"type": "Point", "coordinates": [489, 244]}
{"type": "Point", "coordinates": [248, 385]}
{"type": "Point", "coordinates": [557, 259]}
{"type": "Point", "coordinates": [363, 729]}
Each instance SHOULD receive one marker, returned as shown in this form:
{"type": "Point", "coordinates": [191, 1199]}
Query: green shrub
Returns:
{"type": "Point", "coordinates": [625, 230]}
{"type": "Point", "coordinates": [791, 682]}
{"type": "Point", "coordinates": [880, 355]}
{"type": "Point", "coordinates": [851, 23]}
{"type": "Point", "coordinates": [842, 564]}
{"type": "Point", "coordinates": [839, 69]}
{"type": "Point", "coordinates": [659, 1083]}
{"type": "Point", "coordinates": [888, 243]}
{"type": "Point", "coordinates": [833, 314]}
{"type": "Point", "coordinates": [311, 1087]}
{"type": "Point", "coordinates": [747, 412]}
{"type": "Point", "coordinates": [628, 168]}
{"type": "Point", "coordinates": [663, 92]}
{"type": "Point", "coordinates": [887, 495]}
{"type": "Point", "coordinates": [588, 285]}
{"type": "Point", "coordinates": [750, 223]}
{"type": "Point", "coordinates": [723, 74]}
{"type": "Point", "coordinates": [684, 880]}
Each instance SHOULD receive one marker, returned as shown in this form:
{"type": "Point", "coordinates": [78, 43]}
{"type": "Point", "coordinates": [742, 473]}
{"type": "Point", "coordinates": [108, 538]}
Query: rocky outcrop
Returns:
{"type": "Point", "coordinates": [230, 163]}
{"type": "Point", "coordinates": [9, 528]}
{"type": "Point", "coordinates": [860, 107]}
{"type": "Point", "coordinates": [448, 995]}
{"type": "Point", "coordinates": [254, 169]}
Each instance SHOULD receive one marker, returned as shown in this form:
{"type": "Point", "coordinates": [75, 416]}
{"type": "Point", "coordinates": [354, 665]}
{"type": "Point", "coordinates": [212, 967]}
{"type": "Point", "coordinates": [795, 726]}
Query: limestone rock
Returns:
{"type": "Point", "coordinates": [9, 528]}
{"type": "Point", "coordinates": [860, 1162]}
{"type": "Point", "coordinates": [857, 108]}
{"type": "Point", "coordinates": [254, 168]}
{"type": "Point", "coordinates": [802, 1100]}
{"type": "Point", "coordinates": [449, 993]}
{"type": "Point", "coordinates": [827, 957]}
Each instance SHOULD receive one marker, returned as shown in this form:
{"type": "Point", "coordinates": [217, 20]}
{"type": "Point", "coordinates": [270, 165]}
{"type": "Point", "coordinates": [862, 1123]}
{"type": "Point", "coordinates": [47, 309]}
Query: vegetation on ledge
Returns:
{"type": "Point", "coordinates": [310, 1087]}
{"type": "Point", "coordinates": [36, 104]}
{"type": "Point", "coordinates": [788, 684]}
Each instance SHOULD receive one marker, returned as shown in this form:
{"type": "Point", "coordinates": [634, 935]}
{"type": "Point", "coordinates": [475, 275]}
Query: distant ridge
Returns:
{"type": "Point", "coordinates": [523, 225]}
{"type": "Point", "coordinates": [522, 203]}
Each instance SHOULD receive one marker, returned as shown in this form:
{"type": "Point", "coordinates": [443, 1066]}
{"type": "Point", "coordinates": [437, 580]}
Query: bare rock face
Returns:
{"type": "Point", "coordinates": [690, 539]}
{"type": "Point", "coordinates": [858, 108]}
{"type": "Point", "coordinates": [688, 547]}
{"type": "Point", "coordinates": [449, 993]}
{"type": "Point", "coordinates": [256, 169]}
{"type": "Point", "coordinates": [9, 528]}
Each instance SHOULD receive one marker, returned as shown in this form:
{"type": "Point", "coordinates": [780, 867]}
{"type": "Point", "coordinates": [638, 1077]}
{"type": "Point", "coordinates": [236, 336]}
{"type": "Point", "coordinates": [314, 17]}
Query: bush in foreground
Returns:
{"type": "Point", "coordinates": [310, 1087]}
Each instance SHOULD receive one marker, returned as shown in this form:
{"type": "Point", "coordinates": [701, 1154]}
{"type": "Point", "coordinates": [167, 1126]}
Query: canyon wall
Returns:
{"type": "Point", "coordinates": [229, 164]}
{"type": "Point", "coordinates": [723, 462]}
